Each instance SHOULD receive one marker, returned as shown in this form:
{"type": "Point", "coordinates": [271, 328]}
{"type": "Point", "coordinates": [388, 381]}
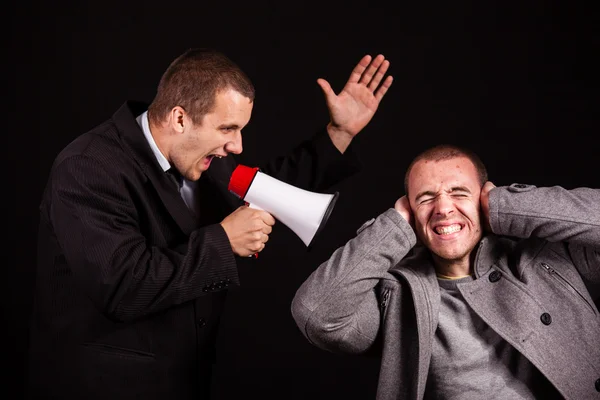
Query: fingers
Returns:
{"type": "Point", "coordinates": [368, 73]}
{"type": "Point", "coordinates": [402, 205]}
{"type": "Point", "coordinates": [259, 243]}
{"type": "Point", "coordinates": [263, 228]}
{"type": "Point", "coordinates": [248, 230]}
{"type": "Point", "coordinates": [487, 187]}
{"type": "Point", "coordinates": [371, 76]}
{"type": "Point", "coordinates": [267, 218]}
{"type": "Point", "coordinates": [485, 205]}
{"type": "Point", "coordinates": [383, 88]}
{"type": "Point", "coordinates": [371, 72]}
{"type": "Point", "coordinates": [379, 73]}
{"type": "Point", "coordinates": [357, 72]}
{"type": "Point", "coordinates": [326, 87]}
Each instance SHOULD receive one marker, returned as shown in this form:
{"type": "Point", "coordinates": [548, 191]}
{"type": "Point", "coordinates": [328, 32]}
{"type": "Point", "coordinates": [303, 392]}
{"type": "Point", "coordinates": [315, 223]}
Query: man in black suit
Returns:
{"type": "Point", "coordinates": [139, 240]}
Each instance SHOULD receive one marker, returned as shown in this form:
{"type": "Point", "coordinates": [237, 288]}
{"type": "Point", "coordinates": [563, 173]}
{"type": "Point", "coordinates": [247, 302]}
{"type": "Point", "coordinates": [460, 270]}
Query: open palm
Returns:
{"type": "Point", "coordinates": [352, 109]}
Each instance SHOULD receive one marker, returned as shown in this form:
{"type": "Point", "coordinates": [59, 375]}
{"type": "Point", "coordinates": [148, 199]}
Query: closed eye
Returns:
{"type": "Point", "coordinates": [228, 128]}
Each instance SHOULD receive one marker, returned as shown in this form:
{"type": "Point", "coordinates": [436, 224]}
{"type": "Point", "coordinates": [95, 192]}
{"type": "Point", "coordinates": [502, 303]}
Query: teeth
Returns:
{"type": "Point", "coordinates": [446, 230]}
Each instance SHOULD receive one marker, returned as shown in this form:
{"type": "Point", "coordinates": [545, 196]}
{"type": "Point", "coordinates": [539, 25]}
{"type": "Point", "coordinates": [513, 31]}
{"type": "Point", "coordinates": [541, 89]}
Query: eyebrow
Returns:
{"type": "Point", "coordinates": [229, 126]}
{"type": "Point", "coordinates": [453, 189]}
{"type": "Point", "coordinates": [423, 194]}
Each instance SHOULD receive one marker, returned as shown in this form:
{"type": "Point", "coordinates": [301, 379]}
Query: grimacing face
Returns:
{"type": "Point", "coordinates": [219, 134]}
{"type": "Point", "coordinates": [444, 197]}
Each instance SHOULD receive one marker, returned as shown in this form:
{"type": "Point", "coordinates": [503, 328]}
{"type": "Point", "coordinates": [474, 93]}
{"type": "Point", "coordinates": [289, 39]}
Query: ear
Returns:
{"type": "Point", "coordinates": [177, 119]}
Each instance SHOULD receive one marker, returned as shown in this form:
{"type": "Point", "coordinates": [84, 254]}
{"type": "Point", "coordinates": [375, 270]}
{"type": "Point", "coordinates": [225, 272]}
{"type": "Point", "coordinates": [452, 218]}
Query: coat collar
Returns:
{"type": "Point", "coordinates": [136, 145]}
{"type": "Point", "coordinates": [489, 250]}
{"type": "Point", "coordinates": [417, 270]}
{"type": "Point", "coordinates": [492, 249]}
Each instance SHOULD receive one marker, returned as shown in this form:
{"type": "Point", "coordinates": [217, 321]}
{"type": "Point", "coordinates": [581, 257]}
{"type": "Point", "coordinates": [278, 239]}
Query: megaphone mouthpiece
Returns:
{"type": "Point", "coordinates": [241, 179]}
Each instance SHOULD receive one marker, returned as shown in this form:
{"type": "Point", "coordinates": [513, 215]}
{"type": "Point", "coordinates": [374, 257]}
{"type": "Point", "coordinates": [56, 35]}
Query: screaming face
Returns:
{"type": "Point", "coordinates": [219, 134]}
{"type": "Point", "coordinates": [444, 197]}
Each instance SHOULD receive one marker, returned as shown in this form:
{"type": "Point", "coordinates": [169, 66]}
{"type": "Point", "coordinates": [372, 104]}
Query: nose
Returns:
{"type": "Point", "coordinates": [235, 146]}
{"type": "Point", "coordinates": [444, 205]}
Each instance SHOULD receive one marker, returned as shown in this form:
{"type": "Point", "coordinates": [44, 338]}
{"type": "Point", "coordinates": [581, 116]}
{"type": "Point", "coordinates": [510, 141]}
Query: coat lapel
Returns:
{"type": "Point", "coordinates": [419, 272]}
{"type": "Point", "coordinates": [173, 201]}
{"type": "Point", "coordinates": [135, 143]}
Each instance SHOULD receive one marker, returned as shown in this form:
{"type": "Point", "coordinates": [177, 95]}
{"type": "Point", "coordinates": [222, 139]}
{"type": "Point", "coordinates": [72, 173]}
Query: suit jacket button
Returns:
{"type": "Point", "coordinates": [546, 319]}
{"type": "Point", "coordinates": [598, 385]}
{"type": "Point", "coordinates": [201, 322]}
{"type": "Point", "coordinates": [495, 276]}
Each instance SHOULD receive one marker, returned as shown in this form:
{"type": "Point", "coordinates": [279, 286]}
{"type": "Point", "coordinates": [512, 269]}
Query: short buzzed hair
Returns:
{"type": "Point", "coordinates": [192, 82]}
{"type": "Point", "coordinates": [443, 152]}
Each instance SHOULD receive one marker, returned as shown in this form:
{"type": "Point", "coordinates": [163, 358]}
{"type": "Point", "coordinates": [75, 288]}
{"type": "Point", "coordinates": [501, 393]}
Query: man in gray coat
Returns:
{"type": "Point", "coordinates": [467, 290]}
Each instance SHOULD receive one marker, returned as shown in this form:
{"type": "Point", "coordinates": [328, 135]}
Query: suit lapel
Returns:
{"type": "Point", "coordinates": [173, 201]}
{"type": "Point", "coordinates": [135, 143]}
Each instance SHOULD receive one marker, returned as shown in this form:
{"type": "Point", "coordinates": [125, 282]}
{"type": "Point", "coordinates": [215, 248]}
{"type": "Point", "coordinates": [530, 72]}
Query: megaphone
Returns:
{"type": "Point", "coordinates": [304, 212]}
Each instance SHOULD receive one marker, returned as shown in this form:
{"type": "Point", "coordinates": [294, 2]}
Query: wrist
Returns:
{"type": "Point", "coordinates": [340, 138]}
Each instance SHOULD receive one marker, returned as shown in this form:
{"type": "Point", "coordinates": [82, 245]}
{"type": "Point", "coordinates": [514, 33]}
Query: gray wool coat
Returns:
{"type": "Point", "coordinates": [537, 281]}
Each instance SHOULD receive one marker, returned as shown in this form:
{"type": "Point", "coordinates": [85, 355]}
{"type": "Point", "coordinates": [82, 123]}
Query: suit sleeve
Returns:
{"type": "Point", "coordinates": [554, 214]}
{"type": "Point", "coordinates": [316, 164]}
{"type": "Point", "coordinates": [336, 307]}
{"type": "Point", "coordinates": [95, 221]}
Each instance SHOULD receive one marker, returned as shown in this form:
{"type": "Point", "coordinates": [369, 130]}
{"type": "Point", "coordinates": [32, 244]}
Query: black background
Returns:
{"type": "Point", "coordinates": [515, 82]}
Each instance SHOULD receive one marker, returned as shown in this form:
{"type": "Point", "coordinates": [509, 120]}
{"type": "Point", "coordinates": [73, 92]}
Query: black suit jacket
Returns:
{"type": "Point", "coordinates": [130, 287]}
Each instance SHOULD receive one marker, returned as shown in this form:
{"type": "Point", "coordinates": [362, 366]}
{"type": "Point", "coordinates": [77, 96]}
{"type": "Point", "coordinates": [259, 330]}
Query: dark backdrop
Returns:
{"type": "Point", "coordinates": [515, 82]}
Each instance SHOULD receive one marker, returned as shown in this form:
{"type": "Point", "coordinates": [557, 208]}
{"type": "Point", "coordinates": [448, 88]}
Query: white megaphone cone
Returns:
{"type": "Point", "coordinates": [304, 212]}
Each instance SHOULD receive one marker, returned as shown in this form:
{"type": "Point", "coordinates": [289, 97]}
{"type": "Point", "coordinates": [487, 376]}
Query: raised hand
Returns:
{"type": "Point", "coordinates": [352, 109]}
{"type": "Point", "coordinates": [248, 230]}
{"type": "Point", "coordinates": [403, 207]}
{"type": "Point", "coordinates": [484, 200]}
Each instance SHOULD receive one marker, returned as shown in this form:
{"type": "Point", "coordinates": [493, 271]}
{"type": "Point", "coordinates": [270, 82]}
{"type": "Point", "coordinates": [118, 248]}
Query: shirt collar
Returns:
{"type": "Point", "coordinates": [143, 122]}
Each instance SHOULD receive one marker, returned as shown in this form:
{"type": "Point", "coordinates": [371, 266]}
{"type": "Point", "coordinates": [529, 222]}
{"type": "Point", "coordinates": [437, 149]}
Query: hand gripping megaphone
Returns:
{"type": "Point", "coordinates": [304, 212]}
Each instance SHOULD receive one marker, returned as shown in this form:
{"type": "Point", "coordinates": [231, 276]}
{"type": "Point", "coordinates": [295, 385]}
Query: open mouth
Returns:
{"type": "Point", "coordinates": [444, 230]}
{"type": "Point", "coordinates": [210, 157]}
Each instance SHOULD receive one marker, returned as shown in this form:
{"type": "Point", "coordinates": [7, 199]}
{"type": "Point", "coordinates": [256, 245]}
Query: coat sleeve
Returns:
{"type": "Point", "coordinates": [554, 214]}
{"type": "Point", "coordinates": [336, 307]}
{"type": "Point", "coordinates": [315, 164]}
{"type": "Point", "coordinates": [96, 223]}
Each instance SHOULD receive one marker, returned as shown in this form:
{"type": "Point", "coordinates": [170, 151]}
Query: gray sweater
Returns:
{"type": "Point", "coordinates": [536, 280]}
{"type": "Point", "coordinates": [470, 361]}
